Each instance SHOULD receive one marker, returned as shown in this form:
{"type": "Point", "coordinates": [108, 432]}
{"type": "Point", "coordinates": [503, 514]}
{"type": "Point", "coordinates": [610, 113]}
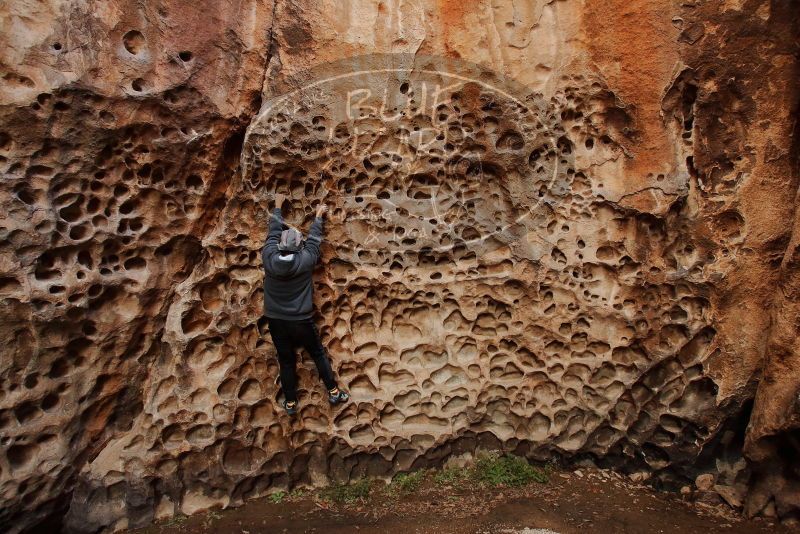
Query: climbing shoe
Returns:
{"type": "Point", "coordinates": [337, 396]}
{"type": "Point", "coordinates": [290, 407]}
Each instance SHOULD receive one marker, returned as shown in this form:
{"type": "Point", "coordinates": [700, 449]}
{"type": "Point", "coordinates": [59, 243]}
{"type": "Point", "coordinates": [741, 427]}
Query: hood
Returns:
{"type": "Point", "coordinates": [284, 267]}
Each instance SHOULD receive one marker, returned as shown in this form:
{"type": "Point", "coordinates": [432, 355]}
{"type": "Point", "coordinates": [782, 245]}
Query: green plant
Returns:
{"type": "Point", "coordinates": [406, 483]}
{"type": "Point", "coordinates": [277, 497]}
{"type": "Point", "coordinates": [348, 493]}
{"type": "Point", "coordinates": [506, 470]}
{"type": "Point", "coordinates": [450, 476]}
{"type": "Point", "coordinates": [175, 520]}
{"type": "Point", "coordinates": [549, 468]}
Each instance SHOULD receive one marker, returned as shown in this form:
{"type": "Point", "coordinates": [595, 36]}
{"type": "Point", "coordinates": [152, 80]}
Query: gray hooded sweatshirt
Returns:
{"type": "Point", "coordinates": [288, 288]}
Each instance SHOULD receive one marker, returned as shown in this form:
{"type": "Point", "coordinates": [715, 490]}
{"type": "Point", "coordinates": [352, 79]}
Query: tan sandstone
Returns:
{"type": "Point", "coordinates": [558, 228]}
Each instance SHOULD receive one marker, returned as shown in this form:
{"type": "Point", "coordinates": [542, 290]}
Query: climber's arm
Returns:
{"type": "Point", "coordinates": [312, 252]}
{"type": "Point", "coordinates": [275, 227]}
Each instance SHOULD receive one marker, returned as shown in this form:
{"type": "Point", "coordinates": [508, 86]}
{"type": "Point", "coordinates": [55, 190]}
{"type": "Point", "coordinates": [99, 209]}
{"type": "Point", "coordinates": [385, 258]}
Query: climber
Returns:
{"type": "Point", "coordinates": [289, 262]}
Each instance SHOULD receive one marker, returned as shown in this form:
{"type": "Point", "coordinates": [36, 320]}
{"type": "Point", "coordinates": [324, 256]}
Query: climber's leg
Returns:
{"type": "Point", "coordinates": [313, 344]}
{"type": "Point", "coordinates": [287, 359]}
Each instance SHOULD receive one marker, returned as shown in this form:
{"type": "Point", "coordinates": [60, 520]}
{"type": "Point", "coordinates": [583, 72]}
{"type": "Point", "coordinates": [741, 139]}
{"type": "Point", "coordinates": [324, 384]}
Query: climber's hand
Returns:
{"type": "Point", "coordinates": [322, 210]}
{"type": "Point", "coordinates": [280, 198]}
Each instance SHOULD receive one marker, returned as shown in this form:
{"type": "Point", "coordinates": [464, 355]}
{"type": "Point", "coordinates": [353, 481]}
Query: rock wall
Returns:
{"type": "Point", "coordinates": [559, 228]}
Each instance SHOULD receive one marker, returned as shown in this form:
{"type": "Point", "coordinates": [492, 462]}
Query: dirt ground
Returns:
{"type": "Point", "coordinates": [571, 502]}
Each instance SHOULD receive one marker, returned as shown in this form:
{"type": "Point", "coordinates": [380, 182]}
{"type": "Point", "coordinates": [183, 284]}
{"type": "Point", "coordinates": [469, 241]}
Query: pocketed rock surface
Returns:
{"type": "Point", "coordinates": [563, 229]}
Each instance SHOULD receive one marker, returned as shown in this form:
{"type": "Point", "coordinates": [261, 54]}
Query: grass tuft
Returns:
{"type": "Point", "coordinates": [277, 497]}
{"type": "Point", "coordinates": [348, 493]}
{"type": "Point", "coordinates": [490, 469]}
{"type": "Point", "coordinates": [450, 476]}
{"type": "Point", "coordinates": [506, 470]}
{"type": "Point", "coordinates": [406, 483]}
{"type": "Point", "coordinates": [175, 520]}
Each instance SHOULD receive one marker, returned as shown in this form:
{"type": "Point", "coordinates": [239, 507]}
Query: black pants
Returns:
{"type": "Point", "coordinates": [288, 335]}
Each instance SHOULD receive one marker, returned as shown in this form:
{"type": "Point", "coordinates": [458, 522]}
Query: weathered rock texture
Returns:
{"type": "Point", "coordinates": [566, 231]}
